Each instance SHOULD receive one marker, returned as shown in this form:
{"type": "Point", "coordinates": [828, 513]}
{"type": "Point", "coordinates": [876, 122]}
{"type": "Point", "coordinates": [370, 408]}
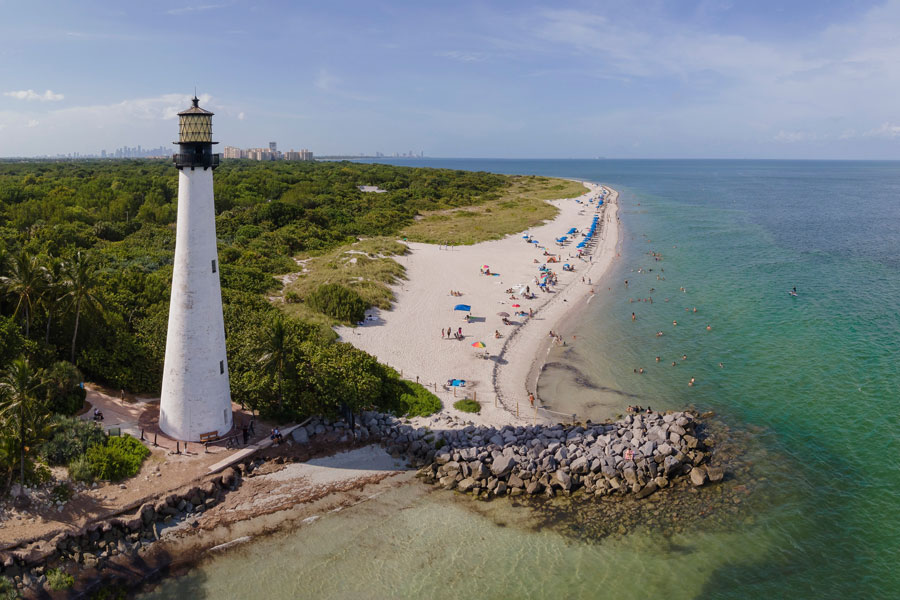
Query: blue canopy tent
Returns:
{"type": "Point", "coordinates": [464, 307]}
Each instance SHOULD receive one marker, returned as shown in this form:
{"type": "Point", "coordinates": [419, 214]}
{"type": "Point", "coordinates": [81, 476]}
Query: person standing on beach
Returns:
{"type": "Point", "coordinates": [531, 398]}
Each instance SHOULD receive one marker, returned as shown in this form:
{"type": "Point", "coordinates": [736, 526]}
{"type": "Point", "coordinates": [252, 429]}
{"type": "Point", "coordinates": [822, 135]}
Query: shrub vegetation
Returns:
{"type": "Point", "coordinates": [467, 405]}
{"type": "Point", "coordinates": [118, 459]}
{"type": "Point", "coordinates": [59, 580]}
{"type": "Point", "coordinates": [71, 439]}
{"type": "Point", "coordinates": [339, 302]}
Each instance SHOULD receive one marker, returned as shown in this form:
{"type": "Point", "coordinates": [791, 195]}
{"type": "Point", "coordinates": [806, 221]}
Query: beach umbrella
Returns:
{"type": "Point", "coordinates": [515, 306]}
{"type": "Point", "coordinates": [464, 307]}
{"type": "Point", "coordinates": [485, 267]}
{"type": "Point", "coordinates": [502, 314]}
{"type": "Point", "coordinates": [478, 345]}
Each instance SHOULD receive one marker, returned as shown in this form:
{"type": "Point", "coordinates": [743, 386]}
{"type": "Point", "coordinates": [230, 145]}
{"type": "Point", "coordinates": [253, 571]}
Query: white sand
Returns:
{"type": "Point", "coordinates": [408, 337]}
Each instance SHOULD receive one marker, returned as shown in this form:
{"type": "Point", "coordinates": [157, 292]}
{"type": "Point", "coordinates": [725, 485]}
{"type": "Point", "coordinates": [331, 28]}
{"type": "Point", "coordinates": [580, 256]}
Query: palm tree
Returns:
{"type": "Point", "coordinates": [50, 297]}
{"type": "Point", "coordinates": [26, 282]}
{"type": "Point", "coordinates": [273, 353]}
{"type": "Point", "coordinates": [81, 282]}
{"type": "Point", "coordinates": [21, 408]}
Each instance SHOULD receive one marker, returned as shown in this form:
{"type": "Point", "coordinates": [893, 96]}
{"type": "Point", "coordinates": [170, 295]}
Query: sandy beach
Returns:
{"type": "Point", "coordinates": [409, 336]}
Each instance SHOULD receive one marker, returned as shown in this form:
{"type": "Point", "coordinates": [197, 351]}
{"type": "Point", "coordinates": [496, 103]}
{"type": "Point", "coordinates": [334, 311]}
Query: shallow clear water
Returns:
{"type": "Point", "coordinates": [815, 377]}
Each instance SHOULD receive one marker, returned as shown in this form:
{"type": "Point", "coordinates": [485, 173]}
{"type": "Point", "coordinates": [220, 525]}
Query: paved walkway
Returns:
{"type": "Point", "coordinates": [244, 453]}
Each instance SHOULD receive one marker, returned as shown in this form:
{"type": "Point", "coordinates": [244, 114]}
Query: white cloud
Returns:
{"type": "Point", "coordinates": [325, 81]}
{"type": "Point", "coordinates": [33, 123]}
{"type": "Point", "coordinates": [241, 116]}
{"type": "Point", "coordinates": [886, 130]}
{"type": "Point", "coordinates": [189, 9]}
{"type": "Point", "coordinates": [791, 137]}
{"type": "Point", "coordinates": [733, 89]}
{"type": "Point", "coordinates": [163, 107]}
{"type": "Point", "coordinates": [463, 56]}
{"type": "Point", "coordinates": [47, 96]}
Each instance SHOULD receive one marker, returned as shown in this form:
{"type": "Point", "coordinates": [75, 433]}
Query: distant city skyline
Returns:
{"type": "Point", "coordinates": [692, 79]}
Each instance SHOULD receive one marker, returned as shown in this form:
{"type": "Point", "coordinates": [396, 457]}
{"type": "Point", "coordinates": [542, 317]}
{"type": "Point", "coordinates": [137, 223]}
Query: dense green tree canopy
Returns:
{"type": "Point", "coordinates": [86, 250]}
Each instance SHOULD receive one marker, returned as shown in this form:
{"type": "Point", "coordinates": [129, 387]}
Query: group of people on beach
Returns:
{"type": "Point", "coordinates": [458, 334]}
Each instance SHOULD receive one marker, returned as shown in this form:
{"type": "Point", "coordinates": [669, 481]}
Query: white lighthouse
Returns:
{"type": "Point", "coordinates": [196, 397]}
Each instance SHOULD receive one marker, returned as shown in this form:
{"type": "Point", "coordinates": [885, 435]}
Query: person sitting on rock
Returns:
{"type": "Point", "coordinates": [276, 436]}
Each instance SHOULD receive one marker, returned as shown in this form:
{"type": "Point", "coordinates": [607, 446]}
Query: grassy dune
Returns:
{"type": "Point", "coordinates": [367, 266]}
{"type": "Point", "coordinates": [522, 205]}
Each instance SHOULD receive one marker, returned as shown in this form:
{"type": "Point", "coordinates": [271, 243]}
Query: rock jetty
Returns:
{"type": "Point", "coordinates": [636, 455]}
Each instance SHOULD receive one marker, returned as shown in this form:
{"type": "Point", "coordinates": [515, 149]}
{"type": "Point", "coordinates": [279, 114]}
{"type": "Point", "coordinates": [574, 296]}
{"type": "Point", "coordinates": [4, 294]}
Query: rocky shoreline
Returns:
{"type": "Point", "coordinates": [638, 455]}
{"type": "Point", "coordinates": [633, 457]}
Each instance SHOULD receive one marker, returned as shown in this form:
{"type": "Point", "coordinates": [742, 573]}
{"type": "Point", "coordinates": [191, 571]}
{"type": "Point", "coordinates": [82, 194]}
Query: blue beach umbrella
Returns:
{"type": "Point", "coordinates": [464, 307]}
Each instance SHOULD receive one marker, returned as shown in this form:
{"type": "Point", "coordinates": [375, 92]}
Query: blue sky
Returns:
{"type": "Point", "coordinates": [643, 79]}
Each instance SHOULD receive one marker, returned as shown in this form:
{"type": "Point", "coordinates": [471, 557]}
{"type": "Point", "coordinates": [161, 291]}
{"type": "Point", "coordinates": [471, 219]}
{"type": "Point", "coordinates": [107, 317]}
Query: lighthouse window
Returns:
{"type": "Point", "coordinates": [214, 266]}
{"type": "Point", "coordinates": [221, 367]}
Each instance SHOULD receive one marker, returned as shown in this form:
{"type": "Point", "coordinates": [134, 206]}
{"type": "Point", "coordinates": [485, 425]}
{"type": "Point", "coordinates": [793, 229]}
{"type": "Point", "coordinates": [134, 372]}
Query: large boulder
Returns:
{"type": "Point", "coordinates": [466, 484]}
{"type": "Point", "coordinates": [715, 473]}
{"type": "Point", "coordinates": [300, 435]}
{"type": "Point", "coordinates": [503, 465]}
{"type": "Point", "coordinates": [580, 465]}
{"type": "Point", "coordinates": [479, 470]}
{"type": "Point", "coordinates": [647, 490]}
{"type": "Point", "coordinates": [563, 480]}
{"type": "Point", "coordinates": [698, 476]}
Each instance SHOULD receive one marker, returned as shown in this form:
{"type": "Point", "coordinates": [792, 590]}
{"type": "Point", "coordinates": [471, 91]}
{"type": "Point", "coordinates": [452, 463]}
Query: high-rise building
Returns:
{"type": "Point", "coordinates": [273, 147]}
{"type": "Point", "coordinates": [233, 152]}
{"type": "Point", "coordinates": [196, 396]}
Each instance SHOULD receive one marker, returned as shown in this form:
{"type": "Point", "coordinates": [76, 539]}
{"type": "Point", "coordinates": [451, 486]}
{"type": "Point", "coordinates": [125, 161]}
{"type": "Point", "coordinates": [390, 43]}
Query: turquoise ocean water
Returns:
{"type": "Point", "coordinates": [814, 379]}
